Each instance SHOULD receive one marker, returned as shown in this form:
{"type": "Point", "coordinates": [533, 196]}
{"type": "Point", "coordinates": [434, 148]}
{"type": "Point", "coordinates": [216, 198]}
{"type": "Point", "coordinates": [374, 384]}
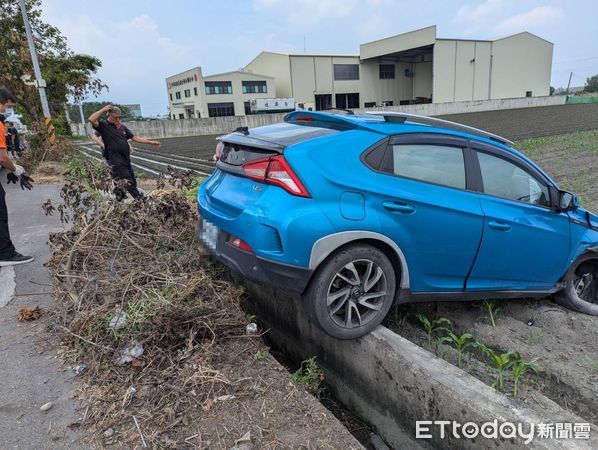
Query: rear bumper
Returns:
{"type": "Point", "coordinates": [254, 268]}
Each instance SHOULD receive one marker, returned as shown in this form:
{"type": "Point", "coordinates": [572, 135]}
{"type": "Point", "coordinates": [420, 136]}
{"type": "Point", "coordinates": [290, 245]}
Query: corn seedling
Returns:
{"type": "Point", "coordinates": [520, 367]}
{"type": "Point", "coordinates": [398, 315]}
{"type": "Point", "coordinates": [492, 310]}
{"type": "Point", "coordinates": [433, 326]}
{"type": "Point", "coordinates": [311, 376]}
{"type": "Point", "coordinates": [461, 343]}
{"type": "Point", "coordinates": [501, 361]}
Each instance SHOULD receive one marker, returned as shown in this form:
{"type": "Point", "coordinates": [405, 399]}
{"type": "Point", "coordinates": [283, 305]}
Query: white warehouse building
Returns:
{"type": "Point", "coordinates": [414, 67]}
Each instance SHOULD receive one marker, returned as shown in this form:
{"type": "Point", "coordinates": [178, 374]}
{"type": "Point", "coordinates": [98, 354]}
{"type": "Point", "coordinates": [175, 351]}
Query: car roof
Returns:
{"type": "Point", "coordinates": [378, 122]}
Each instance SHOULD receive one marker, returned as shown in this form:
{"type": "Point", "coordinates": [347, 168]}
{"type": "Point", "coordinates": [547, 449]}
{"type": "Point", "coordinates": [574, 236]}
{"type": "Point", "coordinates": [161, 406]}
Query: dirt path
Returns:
{"type": "Point", "coordinates": [29, 373]}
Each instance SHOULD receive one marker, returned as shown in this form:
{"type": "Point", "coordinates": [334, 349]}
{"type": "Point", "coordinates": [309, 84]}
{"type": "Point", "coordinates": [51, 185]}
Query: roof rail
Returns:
{"type": "Point", "coordinates": [399, 117]}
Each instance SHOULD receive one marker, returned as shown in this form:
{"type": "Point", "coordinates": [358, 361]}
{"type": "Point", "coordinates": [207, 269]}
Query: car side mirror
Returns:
{"type": "Point", "coordinates": [567, 201]}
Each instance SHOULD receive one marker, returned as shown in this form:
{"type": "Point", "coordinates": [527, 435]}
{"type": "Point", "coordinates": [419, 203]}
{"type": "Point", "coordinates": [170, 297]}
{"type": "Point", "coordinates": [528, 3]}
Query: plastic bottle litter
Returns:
{"type": "Point", "coordinates": [119, 320]}
{"type": "Point", "coordinates": [132, 351]}
{"type": "Point", "coordinates": [251, 328]}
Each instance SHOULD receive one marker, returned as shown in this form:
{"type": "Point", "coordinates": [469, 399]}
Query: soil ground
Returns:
{"type": "Point", "coordinates": [515, 124]}
{"type": "Point", "coordinates": [564, 343]}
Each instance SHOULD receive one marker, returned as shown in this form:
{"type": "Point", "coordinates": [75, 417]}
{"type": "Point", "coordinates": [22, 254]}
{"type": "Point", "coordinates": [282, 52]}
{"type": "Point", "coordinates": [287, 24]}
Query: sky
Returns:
{"type": "Point", "coordinates": [140, 43]}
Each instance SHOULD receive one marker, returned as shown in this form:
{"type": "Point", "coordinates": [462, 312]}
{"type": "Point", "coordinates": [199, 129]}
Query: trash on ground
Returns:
{"type": "Point", "coordinates": [251, 328]}
{"type": "Point", "coordinates": [46, 406]}
{"type": "Point", "coordinates": [79, 369]}
{"type": "Point", "coordinates": [119, 320]}
{"type": "Point", "coordinates": [132, 351]}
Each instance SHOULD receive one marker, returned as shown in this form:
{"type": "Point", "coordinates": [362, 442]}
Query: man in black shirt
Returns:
{"type": "Point", "coordinates": [115, 137]}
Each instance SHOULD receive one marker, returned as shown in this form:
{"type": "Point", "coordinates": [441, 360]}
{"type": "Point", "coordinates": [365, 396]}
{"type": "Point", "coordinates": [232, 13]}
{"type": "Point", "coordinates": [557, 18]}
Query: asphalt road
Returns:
{"type": "Point", "coordinates": [29, 372]}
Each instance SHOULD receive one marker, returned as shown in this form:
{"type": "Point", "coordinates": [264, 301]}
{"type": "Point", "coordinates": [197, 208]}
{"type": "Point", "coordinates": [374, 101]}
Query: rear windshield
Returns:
{"type": "Point", "coordinates": [283, 134]}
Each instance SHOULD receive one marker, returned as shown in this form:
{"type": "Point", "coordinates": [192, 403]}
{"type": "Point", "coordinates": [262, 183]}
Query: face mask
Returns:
{"type": "Point", "coordinates": [9, 112]}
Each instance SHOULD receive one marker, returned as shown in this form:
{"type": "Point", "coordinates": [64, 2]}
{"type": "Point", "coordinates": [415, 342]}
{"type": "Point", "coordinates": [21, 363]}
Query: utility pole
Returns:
{"type": "Point", "coordinates": [81, 113]}
{"type": "Point", "coordinates": [569, 83]}
{"type": "Point", "coordinates": [39, 81]}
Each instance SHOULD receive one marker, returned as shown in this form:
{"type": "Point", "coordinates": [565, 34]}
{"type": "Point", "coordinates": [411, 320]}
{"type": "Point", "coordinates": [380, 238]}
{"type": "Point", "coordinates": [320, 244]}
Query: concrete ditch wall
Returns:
{"type": "Point", "coordinates": [391, 382]}
{"type": "Point", "coordinates": [217, 125]}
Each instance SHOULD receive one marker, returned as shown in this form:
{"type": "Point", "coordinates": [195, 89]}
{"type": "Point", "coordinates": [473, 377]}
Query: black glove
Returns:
{"type": "Point", "coordinates": [12, 178]}
{"type": "Point", "coordinates": [26, 181]}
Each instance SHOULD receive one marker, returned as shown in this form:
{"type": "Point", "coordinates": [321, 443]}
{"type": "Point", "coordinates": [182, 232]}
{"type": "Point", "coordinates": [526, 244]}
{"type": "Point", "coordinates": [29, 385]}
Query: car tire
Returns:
{"type": "Point", "coordinates": [581, 286]}
{"type": "Point", "coordinates": [351, 292]}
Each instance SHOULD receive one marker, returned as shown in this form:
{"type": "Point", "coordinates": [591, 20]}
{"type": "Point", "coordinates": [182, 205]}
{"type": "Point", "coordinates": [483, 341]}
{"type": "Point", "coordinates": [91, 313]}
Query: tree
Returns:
{"type": "Point", "coordinates": [591, 84]}
{"type": "Point", "coordinates": [66, 74]}
{"type": "Point", "coordinates": [90, 107]}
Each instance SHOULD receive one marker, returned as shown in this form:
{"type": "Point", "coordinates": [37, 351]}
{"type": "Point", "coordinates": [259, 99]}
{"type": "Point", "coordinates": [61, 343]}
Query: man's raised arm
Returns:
{"type": "Point", "coordinates": [141, 140]}
{"type": "Point", "coordinates": [93, 119]}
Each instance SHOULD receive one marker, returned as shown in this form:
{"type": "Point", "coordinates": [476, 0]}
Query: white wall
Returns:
{"type": "Point", "coordinates": [237, 97]}
{"type": "Point", "coordinates": [505, 68]}
{"type": "Point", "coordinates": [216, 125]}
{"type": "Point", "coordinates": [521, 63]}
{"type": "Point", "coordinates": [274, 65]}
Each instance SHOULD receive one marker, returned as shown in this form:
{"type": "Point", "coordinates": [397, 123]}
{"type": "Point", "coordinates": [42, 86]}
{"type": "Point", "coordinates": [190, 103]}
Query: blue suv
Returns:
{"type": "Point", "coordinates": [358, 212]}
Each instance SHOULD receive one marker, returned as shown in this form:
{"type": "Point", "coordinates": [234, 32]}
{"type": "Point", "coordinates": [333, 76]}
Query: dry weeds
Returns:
{"type": "Point", "coordinates": [128, 274]}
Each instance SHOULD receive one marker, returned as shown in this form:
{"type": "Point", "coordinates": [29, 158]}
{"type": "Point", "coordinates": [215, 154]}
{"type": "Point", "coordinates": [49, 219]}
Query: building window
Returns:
{"type": "Point", "coordinates": [254, 87]}
{"type": "Point", "coordinates": [346, 71]}
{"type": "Point", "coordinates": [247, 108]}
{"type": "Point", "coordinates": [181, 115]}
{"type": "Point", "coordinates": [528, 93]}
{"type": "Point", "coordinates": [387, 71]}
{"type": "Point", "coordinates": [221, 109]}
{"type": "Point", "coordinates": [369, 104]}
{"type": "Point", "coordinates": [387, 103]}
{"type": "Point", "coordinates": [170, 96]}
{"type": "Point", "coordinates": [178, 95]}
{"type": "Point", "coordinates": [346, 101]}
{"type": "Point", "coordinates": [219, 87]}
{"type": "Point", "coordinates": [194, 91]}
{"type": "Point", "coordinates": [187, 92]}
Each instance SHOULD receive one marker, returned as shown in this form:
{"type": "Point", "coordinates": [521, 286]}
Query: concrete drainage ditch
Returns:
{"type": "Point", "coordinates": [391, 383]}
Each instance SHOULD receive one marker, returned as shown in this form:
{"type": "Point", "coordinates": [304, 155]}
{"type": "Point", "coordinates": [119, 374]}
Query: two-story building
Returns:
{"type": "Point", "coordinates": [191, 95]}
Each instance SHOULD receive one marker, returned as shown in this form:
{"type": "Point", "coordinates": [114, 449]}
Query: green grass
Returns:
{"type": "Point", "coordinates": [571, 159]}
{"type": "Point", "coordinates": [311, 376]}
{"type": "Point", "coordinates": [569, 144]}
{"type": "Point", "coordinates": [534, 336]}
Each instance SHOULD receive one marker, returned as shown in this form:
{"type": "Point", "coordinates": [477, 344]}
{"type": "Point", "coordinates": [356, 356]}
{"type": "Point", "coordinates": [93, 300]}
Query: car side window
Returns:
{"type": "Point", "coordinates": [504, 179]}
{"type": "Point", "coordinates": [437, 164]}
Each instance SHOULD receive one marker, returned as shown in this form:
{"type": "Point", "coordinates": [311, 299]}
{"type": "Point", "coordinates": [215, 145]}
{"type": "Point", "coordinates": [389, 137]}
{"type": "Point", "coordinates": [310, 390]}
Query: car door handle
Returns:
{"type": "Point", "coordinates": [401, 208]}
{"type": "Point", "coordinates": [500, 226]}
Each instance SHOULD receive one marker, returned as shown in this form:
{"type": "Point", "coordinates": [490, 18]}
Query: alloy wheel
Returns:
{"type": "Point", "coordinates": [356, 293]}
{"type": "Point", "coordinates": [585, 282]}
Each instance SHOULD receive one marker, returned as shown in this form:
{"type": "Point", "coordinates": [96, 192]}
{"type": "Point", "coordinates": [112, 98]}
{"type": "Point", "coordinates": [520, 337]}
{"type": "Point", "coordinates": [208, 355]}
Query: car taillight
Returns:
{"type": "Point", "coordinates": [241, 245]}
{"type": "Point", "coordinates": [218, 151]}
{"type": "Point", "coordinates": [276, 171]}
{"type": "Point", "coordinates": [256, 170]}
